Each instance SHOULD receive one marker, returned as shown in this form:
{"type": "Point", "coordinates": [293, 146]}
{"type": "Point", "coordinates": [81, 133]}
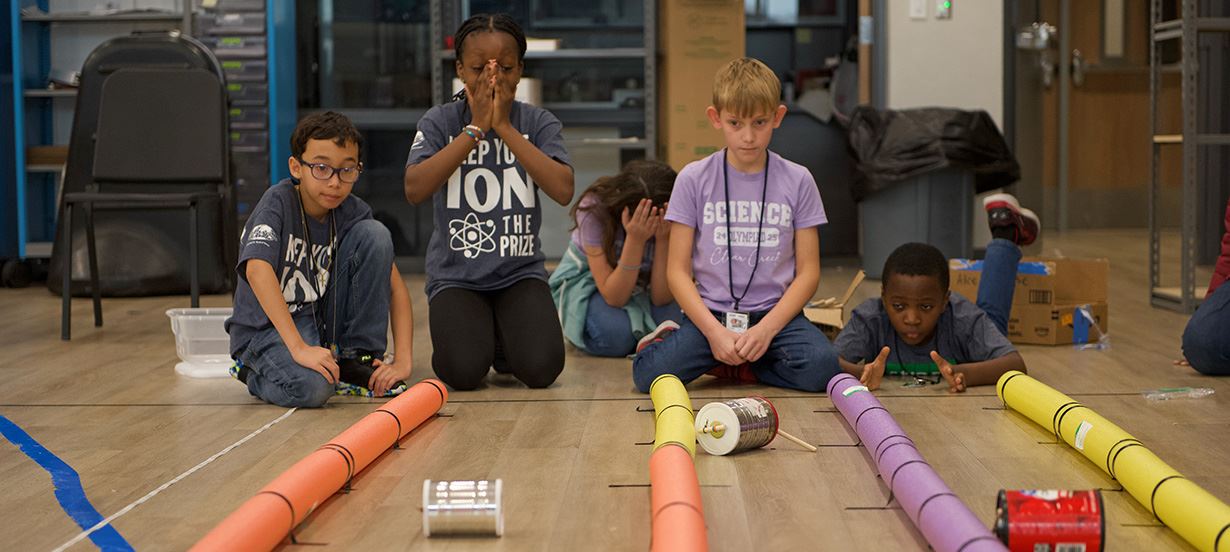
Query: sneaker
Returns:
{"type": "Point", "coordinates": [742, 373]}
{"type": "Point", "coordinates": [239, 372]}
{"type": "Point", "coordinates": [1005, 215]}
{"type": "Point", "coordinates": [657, 335]}
{"type": "Point", "coordinates": [356, 370]}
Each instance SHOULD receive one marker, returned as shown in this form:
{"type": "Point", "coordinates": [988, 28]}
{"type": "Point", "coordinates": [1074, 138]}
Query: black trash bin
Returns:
{"type": "Point", "coordinates": [918, 172]}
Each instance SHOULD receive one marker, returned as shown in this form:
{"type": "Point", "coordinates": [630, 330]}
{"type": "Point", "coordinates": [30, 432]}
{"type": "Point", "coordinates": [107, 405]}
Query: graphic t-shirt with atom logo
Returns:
{"type": "Point", "coordinates": [488, 214]}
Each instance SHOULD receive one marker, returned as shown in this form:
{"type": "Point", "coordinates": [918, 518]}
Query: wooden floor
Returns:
{"type": "Point", "coordinates": [573, 457]}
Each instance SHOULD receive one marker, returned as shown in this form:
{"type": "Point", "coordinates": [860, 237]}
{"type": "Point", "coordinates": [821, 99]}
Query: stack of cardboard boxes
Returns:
{"type": "Point", "coordinates": [697, 37]}
{"type": "Point", "coordinates": [1048, 293]}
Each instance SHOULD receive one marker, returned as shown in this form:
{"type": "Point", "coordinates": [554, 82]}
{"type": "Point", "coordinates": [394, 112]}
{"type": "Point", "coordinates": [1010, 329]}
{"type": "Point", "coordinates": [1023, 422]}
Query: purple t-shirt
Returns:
{"type": "Point", "coordinates": [588, 232]}
{"type": "Point", "coordinates": [792, 202]}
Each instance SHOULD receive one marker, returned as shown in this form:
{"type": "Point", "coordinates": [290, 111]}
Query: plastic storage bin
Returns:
{"type": "Point", "coordinates": [935, 208]}
{"type": "Point", "coordinates": [203, 346]}
{"type": "Point", "coordinates": [244, 70]}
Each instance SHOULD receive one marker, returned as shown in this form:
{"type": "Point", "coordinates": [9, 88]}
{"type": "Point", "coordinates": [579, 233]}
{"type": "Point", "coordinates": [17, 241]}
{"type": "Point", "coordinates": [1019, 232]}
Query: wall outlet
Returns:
{"type": "Point", "coordinates": [943, 9]}
{"type": "Point", "coordinates": [918, 9]}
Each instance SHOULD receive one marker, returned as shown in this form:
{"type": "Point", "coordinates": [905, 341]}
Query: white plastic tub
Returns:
{"type": "Point", "coordinates": [201, 342]}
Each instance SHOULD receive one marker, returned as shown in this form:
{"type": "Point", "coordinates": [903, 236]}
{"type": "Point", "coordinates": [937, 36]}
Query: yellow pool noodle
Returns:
{"type": "Point", "coordinates": [672, 410]}
{"type": "Point", "coordinates": [1199, 517]}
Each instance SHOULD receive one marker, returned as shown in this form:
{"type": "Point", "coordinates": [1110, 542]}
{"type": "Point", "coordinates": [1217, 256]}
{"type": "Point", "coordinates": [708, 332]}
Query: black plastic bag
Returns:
{"type": "Point", "coordinates": [895, 145]}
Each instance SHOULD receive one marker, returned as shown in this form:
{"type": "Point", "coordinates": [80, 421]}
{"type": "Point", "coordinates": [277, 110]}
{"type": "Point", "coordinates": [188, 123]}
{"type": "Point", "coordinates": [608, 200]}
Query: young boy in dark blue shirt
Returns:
{"type": "Point", "coordinates": [918, 327]}
{"type": "Point", "coordinates": [317, 285]}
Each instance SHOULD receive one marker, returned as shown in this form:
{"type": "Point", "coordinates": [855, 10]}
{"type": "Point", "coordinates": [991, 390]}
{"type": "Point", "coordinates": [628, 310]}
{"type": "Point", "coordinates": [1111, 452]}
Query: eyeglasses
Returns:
{"type": "Point", "coordinates": [324, 171]}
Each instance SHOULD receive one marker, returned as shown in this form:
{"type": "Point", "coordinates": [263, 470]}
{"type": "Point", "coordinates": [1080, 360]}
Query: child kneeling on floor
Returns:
{"type": "Point", "coordinates": [744, 252]}
{"type": "Point", "coordinates": [919, 328]}
{"type": "Point", "coordinates": [317, 284]}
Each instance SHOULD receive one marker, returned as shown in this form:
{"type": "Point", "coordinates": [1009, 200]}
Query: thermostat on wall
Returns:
{"type": "Point", "coordinates": [943, 9]}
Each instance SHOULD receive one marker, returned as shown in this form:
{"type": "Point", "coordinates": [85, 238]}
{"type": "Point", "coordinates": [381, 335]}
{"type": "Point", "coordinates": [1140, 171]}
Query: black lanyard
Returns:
{"type": "Point", "coordinates": [730, 249]}
{"type": "Point", "coordinates": [316, 269]}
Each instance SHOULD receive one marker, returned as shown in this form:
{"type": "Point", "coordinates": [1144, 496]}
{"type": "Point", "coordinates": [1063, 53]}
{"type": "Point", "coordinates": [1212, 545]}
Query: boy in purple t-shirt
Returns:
{"type": "Point", "coordinates": [748, 221]}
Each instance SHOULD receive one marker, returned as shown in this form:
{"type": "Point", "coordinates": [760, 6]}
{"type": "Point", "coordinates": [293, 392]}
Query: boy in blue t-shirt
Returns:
{"type": "Point", "coordinates": [317, 285]}
{"type": "Point", "coordinates": [917, 327]}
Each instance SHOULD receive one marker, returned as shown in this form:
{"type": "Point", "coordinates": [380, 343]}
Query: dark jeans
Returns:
{"type": "Point", "coordinates": [467, 326]}
{"type": "Point", "coordinates": [357, 299]}
{"type": "Point", "coordinates": [608, 330]}
{"type": "Point", "coordinates": [1206, 340]}
{"type": "Point", "coordinates": [799, 357]}
{"type": "Point", "coordinates": [998, 282]}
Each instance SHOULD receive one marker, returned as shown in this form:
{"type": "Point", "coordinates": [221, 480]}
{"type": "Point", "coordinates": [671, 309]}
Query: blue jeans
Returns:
{"type": "Point", "coordinates": [1206, 340]}
{"type": "Point", "coordinates": [799, 357]}
{"type": "Point", "coordinates": [356, 302]}
{"type": "Point", "coordinates": [608, 330]}
{"type": "Point", "coordinates": [998, 281]}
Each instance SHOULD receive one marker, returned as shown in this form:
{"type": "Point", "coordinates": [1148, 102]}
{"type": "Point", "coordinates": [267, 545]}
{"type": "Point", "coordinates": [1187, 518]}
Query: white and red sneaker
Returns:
{"type": "Point", "coordinates": [658, 334]}
{"type": "Point", "coordinates": [1003, 211]}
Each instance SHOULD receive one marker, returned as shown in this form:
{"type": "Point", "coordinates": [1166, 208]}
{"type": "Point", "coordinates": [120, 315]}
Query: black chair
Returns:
{"type": "Point", "coordinates": [161, 143]}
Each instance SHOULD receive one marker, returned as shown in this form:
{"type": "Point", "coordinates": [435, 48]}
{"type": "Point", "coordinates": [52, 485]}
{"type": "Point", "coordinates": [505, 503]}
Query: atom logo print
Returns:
{"type": "Point", "coordinates": [471, 236]}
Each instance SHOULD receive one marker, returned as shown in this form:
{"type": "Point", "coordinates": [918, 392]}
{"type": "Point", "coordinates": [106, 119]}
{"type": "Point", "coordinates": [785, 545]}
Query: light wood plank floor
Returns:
{"type": "Point", "coordinates": [573, 457]}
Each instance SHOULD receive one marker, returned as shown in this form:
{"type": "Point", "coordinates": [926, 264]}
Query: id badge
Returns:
{"type": "Point", "coordinates": [737, 321]}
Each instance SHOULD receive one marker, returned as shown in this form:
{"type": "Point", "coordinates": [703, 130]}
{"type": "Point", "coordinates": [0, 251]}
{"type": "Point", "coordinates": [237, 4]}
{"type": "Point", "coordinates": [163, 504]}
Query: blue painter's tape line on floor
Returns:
{"type": "Point", "coordinates": [68, 489]}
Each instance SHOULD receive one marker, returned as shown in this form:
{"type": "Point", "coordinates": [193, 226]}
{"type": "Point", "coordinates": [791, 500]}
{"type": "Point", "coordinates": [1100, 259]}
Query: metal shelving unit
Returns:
{"type": "Point", "coordinates": [1184, 297]}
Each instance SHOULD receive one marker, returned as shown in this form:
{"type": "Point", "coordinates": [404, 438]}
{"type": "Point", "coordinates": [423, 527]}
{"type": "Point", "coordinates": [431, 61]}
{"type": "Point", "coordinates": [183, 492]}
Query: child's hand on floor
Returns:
{"type": "Point", "coordinates": [724, 348]}
{"type": "Point", "coordinates": [1181, 361]}
{"type": "Point", "coordinates": [319, 359]}
{"type": "Point", "coordinates": [752, 344]}
{"type": "Point", "coordinates": [956, 381]}
{"type": "Point", "coordinates": [386, 376]}
{"type": "Point", "coordinates": [873, 371]}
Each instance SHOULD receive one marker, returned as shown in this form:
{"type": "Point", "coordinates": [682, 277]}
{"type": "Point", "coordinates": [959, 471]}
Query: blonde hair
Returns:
{"type": "Point", "coordinates": [746, 87]}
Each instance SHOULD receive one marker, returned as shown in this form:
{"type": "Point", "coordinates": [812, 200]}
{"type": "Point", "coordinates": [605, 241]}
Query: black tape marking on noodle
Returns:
{"type": "Point", "coordinates": [1153, 495]}
{"type": "Point", "coordinates": [1111, 460]}
{"type": "Point", "coordinates": [397, 438]}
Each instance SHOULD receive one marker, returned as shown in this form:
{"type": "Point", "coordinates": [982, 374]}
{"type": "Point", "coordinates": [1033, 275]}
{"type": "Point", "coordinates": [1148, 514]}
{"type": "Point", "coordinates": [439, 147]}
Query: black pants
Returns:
{"type": "Point", "coordinates": [520, 320]}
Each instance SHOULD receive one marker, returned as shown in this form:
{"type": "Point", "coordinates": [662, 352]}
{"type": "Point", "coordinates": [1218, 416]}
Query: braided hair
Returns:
{"type": "Point", "coordinates": [489, 23]}
{"type": "Point", "coordinates": [638, 180]}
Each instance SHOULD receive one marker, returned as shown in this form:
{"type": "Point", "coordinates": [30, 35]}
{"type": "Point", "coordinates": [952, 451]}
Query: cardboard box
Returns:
{"type": "Point", "coordinates": [829, 314]}
{"type": "Point", "coordinates": [1057, 324]}
{"type": "Point", "coordinates": [1040, 280]}
{"type": "Point", "coordinates": [696, 37]}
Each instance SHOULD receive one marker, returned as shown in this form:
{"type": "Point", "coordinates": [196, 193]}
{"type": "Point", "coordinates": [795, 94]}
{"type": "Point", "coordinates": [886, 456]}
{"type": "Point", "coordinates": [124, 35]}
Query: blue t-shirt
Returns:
{"type": "Point", "coordinates": [275, 234]}
{"type": "Point", "coordinates": [487, 215]}
{"type": "Point", "coordinates": [963, 334]}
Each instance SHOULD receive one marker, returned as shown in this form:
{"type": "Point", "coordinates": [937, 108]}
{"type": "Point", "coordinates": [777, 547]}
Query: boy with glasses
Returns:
{"type": "Point", "coordinates": [317, 285]}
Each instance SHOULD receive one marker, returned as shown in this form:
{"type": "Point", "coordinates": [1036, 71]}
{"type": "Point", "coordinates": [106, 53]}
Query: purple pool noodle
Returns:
{"type": "Point", "coordinates": [944, 521]}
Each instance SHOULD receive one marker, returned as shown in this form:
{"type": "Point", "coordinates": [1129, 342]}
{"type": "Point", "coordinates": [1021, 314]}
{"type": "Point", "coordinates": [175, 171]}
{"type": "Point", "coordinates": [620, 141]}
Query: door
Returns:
{"type": "Point", "coordinates": [1082, 105]}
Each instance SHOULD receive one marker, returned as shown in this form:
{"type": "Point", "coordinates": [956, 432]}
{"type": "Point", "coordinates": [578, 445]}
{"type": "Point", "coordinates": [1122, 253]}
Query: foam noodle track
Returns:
{"type": "Point", "coordinates": [1197, 516]}
{"type": "Point", "coordinates": [265, 519]}
{"type": "Point", "coordinates": [672, 410]}
{"type": "Point", "coordinates": [678, 518]}
{"type": "Point", "coordinates": [944, 521]}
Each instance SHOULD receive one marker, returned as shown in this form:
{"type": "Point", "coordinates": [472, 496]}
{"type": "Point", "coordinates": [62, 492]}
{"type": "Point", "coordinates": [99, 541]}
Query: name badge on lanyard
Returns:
{"type": "Point", "coordinates": [737, 321]}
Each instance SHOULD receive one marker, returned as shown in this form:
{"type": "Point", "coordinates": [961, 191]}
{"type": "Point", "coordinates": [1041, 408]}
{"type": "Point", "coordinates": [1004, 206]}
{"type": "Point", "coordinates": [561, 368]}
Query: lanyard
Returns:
{"type": "Point", "coordinates": [317, 280]}
{"type": "Point", "coordinates": [730, 262]}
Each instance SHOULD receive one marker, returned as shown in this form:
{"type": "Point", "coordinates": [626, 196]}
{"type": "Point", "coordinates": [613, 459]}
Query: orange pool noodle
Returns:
{"type": "Point", "coordinates": [265, 519]}
{"type": "Point", "coordinates": [678, 517]}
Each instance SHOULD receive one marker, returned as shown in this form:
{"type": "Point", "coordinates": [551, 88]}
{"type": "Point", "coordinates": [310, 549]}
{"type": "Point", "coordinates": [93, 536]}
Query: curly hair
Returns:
{"type": "Point", "coordinates": [638, 180]}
